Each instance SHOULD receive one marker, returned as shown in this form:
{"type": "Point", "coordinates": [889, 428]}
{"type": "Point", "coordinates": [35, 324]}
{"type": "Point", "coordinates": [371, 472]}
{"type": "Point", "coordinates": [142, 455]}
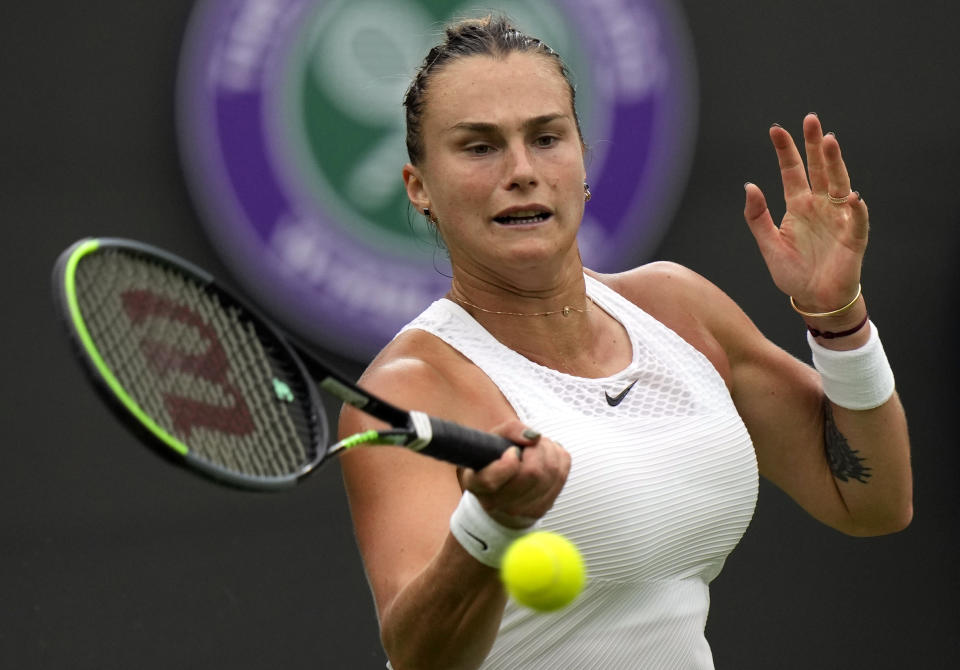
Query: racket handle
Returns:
{"type": "Point", "coordinates": [464, 446]}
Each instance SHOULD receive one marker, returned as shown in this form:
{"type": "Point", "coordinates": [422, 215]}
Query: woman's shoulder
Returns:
{"type": "Point", "coordinates": [413, 357]}
{"type": "Point", "coordinates": [418, 370]}
{"type": "Point", "coordinates": [687, 303]}
{"type": "Point", "coordinates": [663, 289]}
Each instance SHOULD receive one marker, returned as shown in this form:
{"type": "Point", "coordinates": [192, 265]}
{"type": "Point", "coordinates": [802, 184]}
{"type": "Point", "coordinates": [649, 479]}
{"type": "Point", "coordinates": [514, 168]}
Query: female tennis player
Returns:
{"type": "Point", "coordinates": [643, 404]}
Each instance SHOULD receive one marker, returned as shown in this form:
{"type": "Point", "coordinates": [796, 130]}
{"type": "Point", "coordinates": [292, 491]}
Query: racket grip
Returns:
{"type": "Point", "coordinates": [464, 446]}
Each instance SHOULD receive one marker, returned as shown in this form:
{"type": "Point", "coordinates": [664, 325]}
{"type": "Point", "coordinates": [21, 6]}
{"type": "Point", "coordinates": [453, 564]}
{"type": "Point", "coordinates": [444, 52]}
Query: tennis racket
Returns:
{"type": "Point", "coordinates": [210, 382]}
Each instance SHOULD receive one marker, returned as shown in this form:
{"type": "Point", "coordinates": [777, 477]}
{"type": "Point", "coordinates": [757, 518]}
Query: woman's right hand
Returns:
{"type": "Point", "coordinates": [521, 486]}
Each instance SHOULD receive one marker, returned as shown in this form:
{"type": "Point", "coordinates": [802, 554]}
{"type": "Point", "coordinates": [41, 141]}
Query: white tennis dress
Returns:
{"type": "Point", "coordinates": [662, 486]}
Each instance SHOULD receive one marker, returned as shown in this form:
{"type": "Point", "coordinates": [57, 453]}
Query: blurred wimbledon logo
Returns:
{"type": "Point", "coordinates": [292, 135]}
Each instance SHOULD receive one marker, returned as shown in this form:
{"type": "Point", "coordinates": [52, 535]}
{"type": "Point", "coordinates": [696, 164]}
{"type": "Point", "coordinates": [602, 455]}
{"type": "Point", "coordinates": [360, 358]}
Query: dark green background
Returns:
{"type": "Point", "coordinates": [111, 559]}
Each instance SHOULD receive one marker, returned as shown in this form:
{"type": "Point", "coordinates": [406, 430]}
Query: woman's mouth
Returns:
{"type": "Point", "coordinates": [523, 217]}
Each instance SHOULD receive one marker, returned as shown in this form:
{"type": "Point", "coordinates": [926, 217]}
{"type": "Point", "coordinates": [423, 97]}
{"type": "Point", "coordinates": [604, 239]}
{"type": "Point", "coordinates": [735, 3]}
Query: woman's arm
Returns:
{"type": "Point", "coordinates": [815, 256]}
{"type": "Point", "coordinates": [437, 605]}
{"type": "Point", "coordinates": [848, 469]}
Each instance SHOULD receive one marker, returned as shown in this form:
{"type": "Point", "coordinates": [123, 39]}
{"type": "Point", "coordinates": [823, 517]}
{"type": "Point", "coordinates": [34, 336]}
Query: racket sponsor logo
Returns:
{"type": "Point", "coordinates": [210, 365]}
{"type": "Point", "coordinates": [292, 134]}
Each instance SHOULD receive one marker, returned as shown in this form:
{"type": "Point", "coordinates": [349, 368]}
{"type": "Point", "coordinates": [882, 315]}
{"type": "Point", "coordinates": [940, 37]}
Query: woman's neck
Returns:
{"type": "Point", "coordinates": [552, 323]}
{"type": "Point", "coordinates": [502, 299]}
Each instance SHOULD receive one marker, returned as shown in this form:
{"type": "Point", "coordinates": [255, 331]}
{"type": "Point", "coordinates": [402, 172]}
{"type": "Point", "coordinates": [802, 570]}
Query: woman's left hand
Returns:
{"type": "Point", "coordinates": [816, 253]}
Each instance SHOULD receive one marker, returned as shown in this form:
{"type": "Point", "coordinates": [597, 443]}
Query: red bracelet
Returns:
{"type": "Point", "coordinates": [828, 335]}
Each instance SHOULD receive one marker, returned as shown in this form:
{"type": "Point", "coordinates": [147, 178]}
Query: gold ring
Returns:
{"type": "Point", "coordinates": [838, 201]}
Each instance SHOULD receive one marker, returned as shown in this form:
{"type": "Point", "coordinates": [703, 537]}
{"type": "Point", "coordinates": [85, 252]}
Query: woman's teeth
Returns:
{"type": "Point", "coordinates": [523, 217]}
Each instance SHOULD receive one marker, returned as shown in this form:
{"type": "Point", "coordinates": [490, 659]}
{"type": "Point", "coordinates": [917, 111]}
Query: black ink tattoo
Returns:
{"type": "Point", "coordinates": [844, 462]}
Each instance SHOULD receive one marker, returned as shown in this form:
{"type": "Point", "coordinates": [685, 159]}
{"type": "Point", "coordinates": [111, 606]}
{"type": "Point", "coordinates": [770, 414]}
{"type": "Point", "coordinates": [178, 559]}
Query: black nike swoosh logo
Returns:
{"type": "Point", "coordinates": [617, 399]}
{"type": "Point", "coordinates": [483, 545]}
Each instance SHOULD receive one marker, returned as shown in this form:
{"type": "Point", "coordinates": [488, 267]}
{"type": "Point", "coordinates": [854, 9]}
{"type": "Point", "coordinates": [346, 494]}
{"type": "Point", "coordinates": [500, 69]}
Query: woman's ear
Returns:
{"type": "Point", "coordinates": [416, 190]}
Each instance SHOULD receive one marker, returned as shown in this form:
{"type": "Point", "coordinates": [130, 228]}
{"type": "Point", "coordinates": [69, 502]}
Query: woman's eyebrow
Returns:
{"type": "Point", "coordinates": [486, 127]}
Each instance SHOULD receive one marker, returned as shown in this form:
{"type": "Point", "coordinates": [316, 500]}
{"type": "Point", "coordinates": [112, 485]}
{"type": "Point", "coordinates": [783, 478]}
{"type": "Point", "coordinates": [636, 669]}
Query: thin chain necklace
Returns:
{"type": "Point", "coordinates": [565, 311]}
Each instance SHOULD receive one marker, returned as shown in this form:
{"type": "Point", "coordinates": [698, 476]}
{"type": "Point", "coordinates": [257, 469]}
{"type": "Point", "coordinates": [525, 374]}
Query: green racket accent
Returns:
{"type": "Point", "coordinates": [365, 437]}
{"type": "Point", "coordinates": [282, 390]}
{"type": "Point", "coordinates": [370, 437]}
{"type": "Point", "coordinates": [112, 383]}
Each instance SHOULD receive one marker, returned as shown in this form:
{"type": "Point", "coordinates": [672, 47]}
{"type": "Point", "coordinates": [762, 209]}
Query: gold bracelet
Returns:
{"type": "Point", "coordinates": [836, 312]}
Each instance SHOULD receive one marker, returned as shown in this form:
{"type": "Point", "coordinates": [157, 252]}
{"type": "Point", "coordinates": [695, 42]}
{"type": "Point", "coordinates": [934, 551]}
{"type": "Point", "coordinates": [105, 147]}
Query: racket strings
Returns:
{"type": "Point", "coordinates": [198, 367]}
{"type": "Point", "coordinates": [282, 437]}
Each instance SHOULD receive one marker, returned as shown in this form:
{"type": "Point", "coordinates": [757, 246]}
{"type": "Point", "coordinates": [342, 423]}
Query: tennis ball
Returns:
{"type": "Point", "coordinates": [543, 571]}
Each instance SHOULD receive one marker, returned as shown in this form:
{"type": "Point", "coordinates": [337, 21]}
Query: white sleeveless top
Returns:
{"type": "Point", "coordinates": [662, 486]}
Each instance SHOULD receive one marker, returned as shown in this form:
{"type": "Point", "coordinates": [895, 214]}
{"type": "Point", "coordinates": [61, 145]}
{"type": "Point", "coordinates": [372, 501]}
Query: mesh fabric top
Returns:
{"type": "Point", "coordinates": [662, 486]}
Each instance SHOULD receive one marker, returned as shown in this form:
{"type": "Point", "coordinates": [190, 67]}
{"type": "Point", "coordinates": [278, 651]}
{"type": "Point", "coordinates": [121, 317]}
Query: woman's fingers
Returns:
{"type": "Point", "coordinates": [792, 171]}
{"type": "Point", "coordinates": [493, 477]}
{"type": "Point", "coordinates": [520, 486]}
{"type": "Point", "coordinates": [861, 217]}
{"type": "Point", "coordinates": [813, 145]}
{"type": "Point", "coordinates": [824, 230]}
{"type": "Point", "coordinates": [758, 217]}
{"type": "Point", "coordinates": [825, 173]}
{"type": "Point", "coordinates": [836, 170]}
{"type": "Point", "coordinates": [539, 480]}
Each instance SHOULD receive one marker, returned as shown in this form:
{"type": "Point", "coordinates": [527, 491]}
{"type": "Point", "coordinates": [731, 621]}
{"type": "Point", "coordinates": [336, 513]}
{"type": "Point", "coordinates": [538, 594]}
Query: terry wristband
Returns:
{"type": "Point", "coordinates": [856, 379]}
{"type": "Point", "coordinates": [481, 536]}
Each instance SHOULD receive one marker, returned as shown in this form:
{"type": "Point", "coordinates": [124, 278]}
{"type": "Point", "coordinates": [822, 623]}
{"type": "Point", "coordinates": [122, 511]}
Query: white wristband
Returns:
{"type": "Point", "coordinates": [483, 538]}
{"type": "Point", "coordinates": [855, 379]}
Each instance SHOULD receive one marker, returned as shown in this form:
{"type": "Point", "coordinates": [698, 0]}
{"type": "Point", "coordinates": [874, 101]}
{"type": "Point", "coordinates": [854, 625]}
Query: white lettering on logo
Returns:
{"type": "Point", "coordinates": [241, 57]}
{"type": "Point", "coordinates": [365, 285]}
{"type": "Point", "coordinates": [633, 38]}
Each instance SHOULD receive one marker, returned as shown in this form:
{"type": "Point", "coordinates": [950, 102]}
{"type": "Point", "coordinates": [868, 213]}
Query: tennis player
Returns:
{"type": "Point", "coordinates": [645, 403]}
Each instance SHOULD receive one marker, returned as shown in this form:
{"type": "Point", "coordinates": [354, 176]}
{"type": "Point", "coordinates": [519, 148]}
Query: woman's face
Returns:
{"type": "Point", "coordinates": [503, 170]}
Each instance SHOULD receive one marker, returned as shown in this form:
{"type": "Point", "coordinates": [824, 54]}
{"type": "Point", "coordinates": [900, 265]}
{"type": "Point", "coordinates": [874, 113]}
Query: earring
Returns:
{"type": "Point", "coordinates": [587, 195]}
{"type": "Point", "coordinates": [426, 212]}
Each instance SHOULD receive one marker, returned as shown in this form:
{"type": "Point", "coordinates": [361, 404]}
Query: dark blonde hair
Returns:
{"type": "Point", "coordinates": [490, 36]}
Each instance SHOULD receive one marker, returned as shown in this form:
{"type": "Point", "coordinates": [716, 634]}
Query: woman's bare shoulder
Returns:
{"type": "Point", "coordinates": [418, 370]}
{"type": "Point", "coordinates": [663, 289]}
{"type": "Point", "coordinates": [687, 303]}
{"type": "Point", "coordinates": [412, 356]}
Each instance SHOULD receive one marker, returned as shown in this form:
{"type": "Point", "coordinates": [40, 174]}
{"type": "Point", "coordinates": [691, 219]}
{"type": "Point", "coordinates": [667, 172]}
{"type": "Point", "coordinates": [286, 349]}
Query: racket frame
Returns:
{"type": "Point", "coordinates": [413, 430]}
{"type": "Point", "coordinates": [127, 409]}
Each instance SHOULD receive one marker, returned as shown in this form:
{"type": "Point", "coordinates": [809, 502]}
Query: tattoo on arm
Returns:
{"type": "Point", "coordinates": [844, 462]}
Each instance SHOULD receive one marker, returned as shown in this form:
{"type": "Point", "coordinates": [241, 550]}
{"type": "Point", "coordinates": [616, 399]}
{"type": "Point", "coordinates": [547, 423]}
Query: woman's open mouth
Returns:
{"type": "Point", "coordinates": [521, 217]}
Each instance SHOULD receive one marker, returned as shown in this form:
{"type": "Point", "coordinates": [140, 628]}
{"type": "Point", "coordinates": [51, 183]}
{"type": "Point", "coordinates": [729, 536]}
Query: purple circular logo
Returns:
{"type": "Point", "coordinates": [292, 135]}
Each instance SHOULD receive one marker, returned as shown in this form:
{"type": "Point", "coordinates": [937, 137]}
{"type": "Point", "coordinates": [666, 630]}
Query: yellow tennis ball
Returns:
{"type": "Point", "coordinates": [543, 571]}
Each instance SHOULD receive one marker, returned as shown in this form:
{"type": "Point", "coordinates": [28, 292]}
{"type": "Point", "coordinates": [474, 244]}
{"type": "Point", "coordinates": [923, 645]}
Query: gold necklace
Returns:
{"type": "Point", "coordinates": [565, 311]}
